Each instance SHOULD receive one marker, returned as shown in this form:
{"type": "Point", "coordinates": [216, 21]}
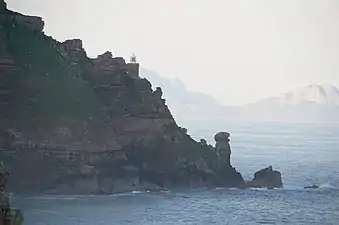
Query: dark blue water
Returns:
{"type": "Point", "coordinates": [305, 154]}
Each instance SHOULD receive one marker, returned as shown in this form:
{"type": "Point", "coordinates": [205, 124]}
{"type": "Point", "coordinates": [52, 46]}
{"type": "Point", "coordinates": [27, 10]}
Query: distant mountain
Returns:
{"type": "Point", "coordinates": [174, 89]}
{"type": "Point", "coordinates": [311, 94]}
{"type": "Point", "coordinates": [185, 105]}
{"type": "Point", "coordinates": [312, 103]}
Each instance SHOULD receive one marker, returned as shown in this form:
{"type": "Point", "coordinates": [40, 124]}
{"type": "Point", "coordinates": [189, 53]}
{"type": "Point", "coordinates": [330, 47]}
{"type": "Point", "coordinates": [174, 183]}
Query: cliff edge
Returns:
{"type": "Point", "coordinates": [73, 124]}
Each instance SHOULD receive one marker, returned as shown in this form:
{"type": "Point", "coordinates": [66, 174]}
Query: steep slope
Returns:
{"type": "Point", "coordinates": [71, 124]}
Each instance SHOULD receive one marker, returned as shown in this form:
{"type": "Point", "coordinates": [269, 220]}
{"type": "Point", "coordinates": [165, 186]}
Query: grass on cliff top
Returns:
{"type": "Point", "coordinates": [57, 88]}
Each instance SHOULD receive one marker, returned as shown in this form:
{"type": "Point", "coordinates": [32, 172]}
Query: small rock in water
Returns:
{"type": "Point", "coordinates": [266, 178]}
{"type": "Point", "coordinates": [313, 186]}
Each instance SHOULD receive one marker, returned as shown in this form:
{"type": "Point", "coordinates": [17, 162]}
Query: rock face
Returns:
{"type": "Point", "coordinates": [8, 215]}
{"type": "Point", "coordinates": [72, 124]}
{"type": "Point", "coordinates": [73, 50]}
{"type": "Point", "coordinates": [3, 5]}
{"type": "Point", "coordinates": [225, 169]}
{"type": "Point", "coordinates": [223, 148]}
{"type": "Point", "coordinates": [31, 22]}
{"type": "Point", "coordinates": [266, 178]}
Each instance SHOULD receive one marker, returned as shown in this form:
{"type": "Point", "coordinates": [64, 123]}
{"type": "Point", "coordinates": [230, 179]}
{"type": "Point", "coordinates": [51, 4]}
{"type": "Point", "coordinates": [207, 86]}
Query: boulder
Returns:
{"type": "Point", "coordinates": [312, 187]}
{"type": "Point", "coordinates": [266, 178]}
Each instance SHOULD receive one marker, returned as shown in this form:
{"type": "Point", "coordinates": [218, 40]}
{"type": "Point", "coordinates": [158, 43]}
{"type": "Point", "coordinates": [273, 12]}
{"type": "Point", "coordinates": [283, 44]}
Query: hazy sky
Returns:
{"type": "Point", "coordinates": [236, 50]}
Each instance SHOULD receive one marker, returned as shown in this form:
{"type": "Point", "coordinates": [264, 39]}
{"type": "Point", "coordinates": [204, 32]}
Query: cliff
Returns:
{"type": "Point", "coordinates": [8, 215]}
{"type": "Point", "coordinates": [72, 124]}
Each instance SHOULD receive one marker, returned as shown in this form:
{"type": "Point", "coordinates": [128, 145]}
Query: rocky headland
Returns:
{"type": "Point", "coordinates": [80, 125]}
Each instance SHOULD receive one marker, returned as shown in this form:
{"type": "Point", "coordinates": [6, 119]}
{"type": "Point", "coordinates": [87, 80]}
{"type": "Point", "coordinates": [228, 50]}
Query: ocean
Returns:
{"type": "Point", "coordinates": [305, 154]}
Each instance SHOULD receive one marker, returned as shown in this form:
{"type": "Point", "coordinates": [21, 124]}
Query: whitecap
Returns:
{"type": "Point", "coordinates": [326, 186]}
{"type": "Point", "coordinates": [259, 189]}
{"type": "Point", "coordinates": [292, 187]}
{"type": "Point", "coordinates": [219, 188]}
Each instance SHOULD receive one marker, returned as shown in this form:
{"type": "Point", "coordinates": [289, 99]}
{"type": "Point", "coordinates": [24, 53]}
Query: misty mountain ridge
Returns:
{"type": "Point", "coordinates": [175, 88]}
{"type": "Point", "coordinates": [312, 94]}
{"type": "Point", "coordinates": [312, 103]}
{"type": "Point", "coordinates": [175, 91]}
{"type": "Point", "coordinates": [184, 104]}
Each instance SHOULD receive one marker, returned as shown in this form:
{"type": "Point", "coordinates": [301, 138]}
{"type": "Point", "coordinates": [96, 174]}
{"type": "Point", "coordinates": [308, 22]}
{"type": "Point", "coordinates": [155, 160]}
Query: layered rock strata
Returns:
{"type": "Point", "coordinates": [74, 124]}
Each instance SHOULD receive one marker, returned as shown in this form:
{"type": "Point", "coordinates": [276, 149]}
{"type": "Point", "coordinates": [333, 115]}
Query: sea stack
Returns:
{"type": "Point", "coordinates": [227, 176]}
{"type": "Point", "coordinates": [266, 178]}
{"type": "Point", "coordinates": [223, 149]}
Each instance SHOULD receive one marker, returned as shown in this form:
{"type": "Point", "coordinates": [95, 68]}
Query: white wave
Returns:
{"type": "Point", "coordinates": [234, 189]}
{"type": "Point", "coordinates": [259, 189]}
{"type": "Point", "coordinates": [137, 192]}
{"type": "Point", "coordinates": [327, 186]}
{"type": "Point", "coordinates": [219, 188]}
{"type": "Point", "coordinates": [121, 194]}
{"type": "Point", "coordinates": [322, 186]}
{"type": "Point", "coordinates": [292, 187]}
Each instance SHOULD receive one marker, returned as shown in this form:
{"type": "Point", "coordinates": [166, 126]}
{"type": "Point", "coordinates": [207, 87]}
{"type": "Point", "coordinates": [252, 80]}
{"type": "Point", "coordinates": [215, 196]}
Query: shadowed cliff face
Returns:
{"type": "Point", "coordinates": [71, 124]}
{"type": "Point", "coordinates": [8, 215]}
